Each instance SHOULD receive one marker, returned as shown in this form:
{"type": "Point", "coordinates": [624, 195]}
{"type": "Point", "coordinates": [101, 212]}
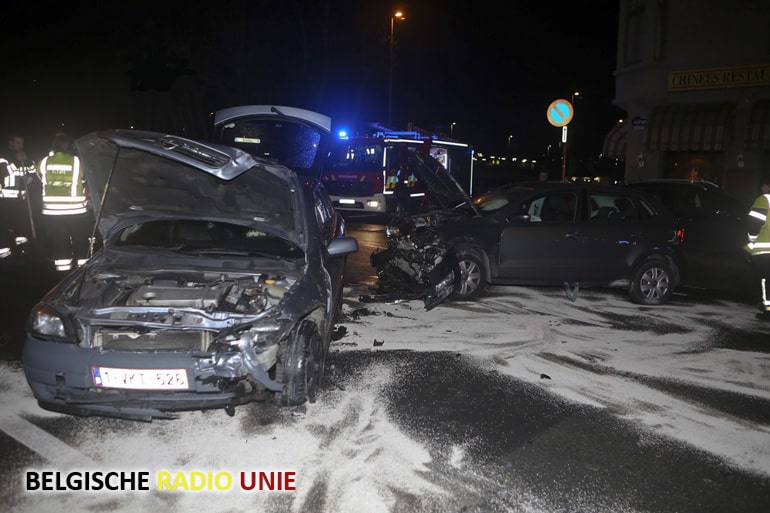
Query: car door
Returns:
{"type": "Point", "coordinates": [538, 243]}
{"type": "Point", "coordinates": [330, 225]}
{"type": "Point", "coordinates": [612, 234]}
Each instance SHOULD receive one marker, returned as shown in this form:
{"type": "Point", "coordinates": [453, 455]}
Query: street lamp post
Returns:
{"type": "Point", "coordinates": [452, 129]}
{"type": "Point", "coordinates": [396, 15]}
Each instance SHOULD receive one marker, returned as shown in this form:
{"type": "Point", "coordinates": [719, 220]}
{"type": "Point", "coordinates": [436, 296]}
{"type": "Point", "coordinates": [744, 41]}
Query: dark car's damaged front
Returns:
{"type": "Point", "coordinates": [420, 260]}
{"type": "Point", "coordinates": [214, 285]}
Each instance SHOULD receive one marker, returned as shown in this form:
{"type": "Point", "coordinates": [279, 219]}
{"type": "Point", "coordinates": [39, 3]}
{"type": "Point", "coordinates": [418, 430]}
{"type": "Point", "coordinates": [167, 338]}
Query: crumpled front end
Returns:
{"type": "Point", "coordinates": [417, 263]}
{"type": "Point", "coordinates": [140, 345]}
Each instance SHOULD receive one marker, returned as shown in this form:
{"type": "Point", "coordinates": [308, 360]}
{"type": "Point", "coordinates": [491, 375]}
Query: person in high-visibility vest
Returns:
{"type": "Point", "coordinates": [758, 246]}
{"type": "Point", "coordinates": [66, 220]}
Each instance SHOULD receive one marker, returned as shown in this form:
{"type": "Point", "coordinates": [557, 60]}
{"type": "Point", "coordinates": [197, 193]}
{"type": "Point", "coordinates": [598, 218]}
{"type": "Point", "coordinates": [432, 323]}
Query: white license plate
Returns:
{"type": "Point", "coordinates": [140, 379]}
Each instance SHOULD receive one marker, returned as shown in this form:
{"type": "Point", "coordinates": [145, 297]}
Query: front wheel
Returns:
{"type": "Point", "coordinates": [473, 278]}
{"type": "Point", "coordinates": [652, 283]}
{"type": "Point", "coordinates": [300, 366]}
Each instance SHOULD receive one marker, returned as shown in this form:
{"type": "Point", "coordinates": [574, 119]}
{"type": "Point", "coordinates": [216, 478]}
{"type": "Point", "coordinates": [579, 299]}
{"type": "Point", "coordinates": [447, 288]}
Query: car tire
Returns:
{"type": "Point", "coordinates": [652, 283]}
{"type": "Point", "coordinates": [472, 277]}
{"type": "Point", "coordinates": [300, 367]}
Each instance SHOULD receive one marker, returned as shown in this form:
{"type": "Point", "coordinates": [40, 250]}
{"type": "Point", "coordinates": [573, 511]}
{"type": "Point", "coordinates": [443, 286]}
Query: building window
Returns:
{"type": "Point", "coordinates": [661, 28]}
{"type": "Point", "coordinates": [633, 43]}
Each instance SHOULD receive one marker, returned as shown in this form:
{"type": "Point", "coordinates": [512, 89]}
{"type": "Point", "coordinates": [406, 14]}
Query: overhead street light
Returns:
{"type": "Point", "coordinates": [398, 15]}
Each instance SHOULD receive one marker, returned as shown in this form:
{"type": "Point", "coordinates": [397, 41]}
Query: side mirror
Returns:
{"type": "Point", "coordinates": [342, 246]}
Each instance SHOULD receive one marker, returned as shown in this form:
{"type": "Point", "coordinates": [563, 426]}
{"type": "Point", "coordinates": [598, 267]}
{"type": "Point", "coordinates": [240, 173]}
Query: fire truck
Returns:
{"type": "Point", "coordinates": [372, 172]}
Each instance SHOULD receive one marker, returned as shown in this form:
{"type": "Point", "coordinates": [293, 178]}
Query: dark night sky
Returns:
{"type": "Point", "coordinates": [492, 70]}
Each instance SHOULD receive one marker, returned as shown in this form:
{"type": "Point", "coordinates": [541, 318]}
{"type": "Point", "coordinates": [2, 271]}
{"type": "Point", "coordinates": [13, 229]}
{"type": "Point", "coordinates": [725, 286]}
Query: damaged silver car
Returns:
{"type": "Point", "coordinates": [217, 283]}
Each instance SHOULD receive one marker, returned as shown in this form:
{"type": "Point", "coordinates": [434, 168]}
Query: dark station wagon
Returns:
{"type": "Point", "coordinates": [538, 233]}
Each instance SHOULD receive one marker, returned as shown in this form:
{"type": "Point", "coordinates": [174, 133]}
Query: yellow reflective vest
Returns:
{"type": "Point", "coordinates": [759, 244]}
{"type": "Point", "coordinates": [63, 185]}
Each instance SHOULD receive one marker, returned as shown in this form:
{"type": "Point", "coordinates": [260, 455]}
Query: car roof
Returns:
{"type": "Point", "coordinates": [591, 187]}
{"type": "Point", "coordinates": [554, 185]}
{"type": "Point", "coordinates": [683, 182]}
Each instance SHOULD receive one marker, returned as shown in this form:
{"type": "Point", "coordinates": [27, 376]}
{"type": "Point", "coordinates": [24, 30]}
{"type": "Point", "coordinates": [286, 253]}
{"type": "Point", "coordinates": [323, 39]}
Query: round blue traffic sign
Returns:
{"type": "Point", "coordinates": [559, 112]}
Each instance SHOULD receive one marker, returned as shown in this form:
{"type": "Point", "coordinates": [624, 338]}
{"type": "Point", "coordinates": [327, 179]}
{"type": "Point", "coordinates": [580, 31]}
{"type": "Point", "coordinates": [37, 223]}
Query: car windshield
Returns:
{"type": "Point", "coordinates": [499, 198]}
{"type": "Point", "coordinates": [209, 237]}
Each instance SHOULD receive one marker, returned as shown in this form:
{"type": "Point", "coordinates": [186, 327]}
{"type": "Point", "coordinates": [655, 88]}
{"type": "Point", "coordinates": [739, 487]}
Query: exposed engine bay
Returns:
{"type": "Point", "coordinates": [173, 310]}
{"type": "Point", "coordinates": [211, 292]}
{"type": "Point", "coordinates": [243, 295]}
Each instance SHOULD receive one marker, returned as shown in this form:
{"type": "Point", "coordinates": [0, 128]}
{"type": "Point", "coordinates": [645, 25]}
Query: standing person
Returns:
{"type": "Point", "coordinates": [65, 217]}
{"type": "Point", "coordinates": [17, 184]}
{"type": "Point", "coordinates": [759, 244]}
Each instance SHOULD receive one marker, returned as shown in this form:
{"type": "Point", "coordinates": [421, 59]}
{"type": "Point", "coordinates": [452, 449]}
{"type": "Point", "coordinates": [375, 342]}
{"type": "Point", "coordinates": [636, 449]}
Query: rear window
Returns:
{"type": "Point", "coordinates": [692, 199]}
{"type": "Point", "coordinates": [619, 207]}
{"type": "Point", "coordinates": [293, 145]}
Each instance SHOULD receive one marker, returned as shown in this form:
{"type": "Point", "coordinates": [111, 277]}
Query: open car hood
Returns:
{"type": "Point", "coordinates": [443, 189]}
{"type": "Point", "coordinates": [134, 176]}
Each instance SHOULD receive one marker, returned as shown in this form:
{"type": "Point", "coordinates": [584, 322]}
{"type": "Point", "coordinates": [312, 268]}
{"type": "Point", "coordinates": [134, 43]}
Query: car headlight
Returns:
{"type": "Point", "coordinates": [272, 332]}
{"type": "Point", "coordinates": [48, 324]}
{"type": "Point", "coordinates": [265, 332]}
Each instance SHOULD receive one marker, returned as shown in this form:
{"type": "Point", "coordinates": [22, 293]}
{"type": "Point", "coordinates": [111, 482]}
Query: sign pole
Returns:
{"type": "Point", "coordinates": [559, 114]}
{"type": "Point", "coordinates": [564, 153]}
{"type": "Point", "coordinates": [564, 163]}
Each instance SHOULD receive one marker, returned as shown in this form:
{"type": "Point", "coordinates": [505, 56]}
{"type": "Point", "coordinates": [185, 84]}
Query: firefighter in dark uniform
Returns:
{"type": "Point", "coordinates": [18, 184]}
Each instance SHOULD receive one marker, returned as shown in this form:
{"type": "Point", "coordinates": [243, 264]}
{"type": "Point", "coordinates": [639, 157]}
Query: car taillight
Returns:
{"type": "Point", "coordinates": [679, 235]}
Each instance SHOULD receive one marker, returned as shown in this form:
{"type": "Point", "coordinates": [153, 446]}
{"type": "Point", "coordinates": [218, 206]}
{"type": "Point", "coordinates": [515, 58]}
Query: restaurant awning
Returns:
{"type": "Point", "coordinates": [758, 133]}
{"type": "Point", "coordinates": [697, 127]}
{"type": "Point", "coordinates": [615, 142]}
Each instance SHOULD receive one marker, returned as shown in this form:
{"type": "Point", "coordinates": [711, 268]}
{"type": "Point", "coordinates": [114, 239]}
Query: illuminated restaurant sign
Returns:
{"type": "Point", "coordinates": [715, 78]}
